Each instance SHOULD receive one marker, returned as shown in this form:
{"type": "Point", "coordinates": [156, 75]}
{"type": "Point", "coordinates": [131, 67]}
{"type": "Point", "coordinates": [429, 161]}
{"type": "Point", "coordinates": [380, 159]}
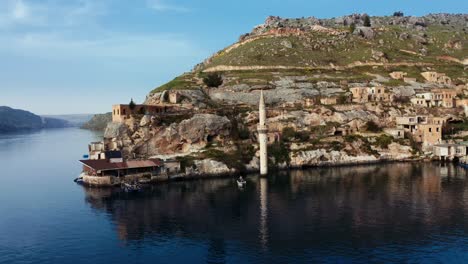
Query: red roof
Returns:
{"type": "Point", "coordinates": [102, 165]}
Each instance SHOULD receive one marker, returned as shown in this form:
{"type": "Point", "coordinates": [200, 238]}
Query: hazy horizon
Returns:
{"type": "Point", "coordinates": [82, 56]}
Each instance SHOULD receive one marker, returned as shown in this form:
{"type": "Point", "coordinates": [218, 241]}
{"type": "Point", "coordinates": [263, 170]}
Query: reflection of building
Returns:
{"type": "Point", "coordinates": [323, 206]}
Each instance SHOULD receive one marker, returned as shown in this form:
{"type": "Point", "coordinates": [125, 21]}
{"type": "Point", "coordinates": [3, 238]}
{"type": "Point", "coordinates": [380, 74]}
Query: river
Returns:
{"type": "Point", "coordinates": [389, 213]}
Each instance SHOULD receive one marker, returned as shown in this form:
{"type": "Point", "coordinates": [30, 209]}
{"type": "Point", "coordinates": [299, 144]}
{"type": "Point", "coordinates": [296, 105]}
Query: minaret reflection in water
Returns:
{"type": "Point", "coordinates": [263, 227]}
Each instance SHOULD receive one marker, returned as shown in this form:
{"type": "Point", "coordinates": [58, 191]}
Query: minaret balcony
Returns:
{"type": "Point", "coordinates": [262, 129]}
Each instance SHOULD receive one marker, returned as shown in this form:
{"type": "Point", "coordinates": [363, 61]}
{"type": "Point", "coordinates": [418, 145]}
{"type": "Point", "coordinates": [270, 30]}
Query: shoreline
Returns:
{"type": "Point", "coordinates": [195, 176]}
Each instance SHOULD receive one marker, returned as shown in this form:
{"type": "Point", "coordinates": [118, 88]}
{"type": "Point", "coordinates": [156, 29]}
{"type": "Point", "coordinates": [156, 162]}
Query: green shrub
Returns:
{"type": "Point", "coordinates": [244, 133]}
{"type": "Point", "coordinates": [336, 145]}
{"type": "Point", "coordinates": [367, 22]}
{"type": "Point", "coordinates": [371, 126]}
{"type": "Point", "coordinates": [288, 134]}
{"type": "Point", "coordinates": [213, 80]}
{"type": "Point", "coordinates": [280, 152]}
{"type": "Point", "coordinates": [383, 141]}
{"type": "Point", "coordinates": [186, 162]}
{"type": "Point", "coordinates": [352, 27]}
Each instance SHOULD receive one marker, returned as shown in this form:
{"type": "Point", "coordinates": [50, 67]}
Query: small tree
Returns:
{"type": "Point", "coordinates": [398, 14]}
{"type": "Point", "coordinates": [367, 22]}
{"type": "Point", "coordinates": [213, 80]}
{"type": "Point", "coordinates": [132, 105]}
{"type": "Point", "coordinates": [352, 27]}
{"type": "Point", "coordinates": [371, 126]}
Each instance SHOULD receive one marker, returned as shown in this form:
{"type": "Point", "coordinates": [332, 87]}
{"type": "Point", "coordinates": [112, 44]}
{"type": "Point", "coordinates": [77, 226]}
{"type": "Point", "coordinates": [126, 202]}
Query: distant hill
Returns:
{"type": "Point", "coordinates": [17, 119]}
{"type": "Point", "coordinates": [75, 120]}
{"type": "Point", "coordinates": [98, 122]}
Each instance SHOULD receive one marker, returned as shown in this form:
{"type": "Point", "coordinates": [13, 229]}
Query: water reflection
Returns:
{"type": "Point", "coordinates": [351, 212]}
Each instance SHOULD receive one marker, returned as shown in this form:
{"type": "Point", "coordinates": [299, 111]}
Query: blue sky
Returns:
{"type": "Point", "coordinates": [82, 56]}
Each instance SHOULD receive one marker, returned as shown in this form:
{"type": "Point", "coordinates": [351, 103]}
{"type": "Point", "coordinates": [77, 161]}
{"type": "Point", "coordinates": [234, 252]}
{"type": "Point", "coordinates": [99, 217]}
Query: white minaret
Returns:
{"type": "Point", "coordinates": [262, 136]}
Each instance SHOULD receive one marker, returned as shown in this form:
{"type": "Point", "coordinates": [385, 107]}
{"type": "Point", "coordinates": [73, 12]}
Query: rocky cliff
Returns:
{"type": "Point", "coordinates": [98, 122]}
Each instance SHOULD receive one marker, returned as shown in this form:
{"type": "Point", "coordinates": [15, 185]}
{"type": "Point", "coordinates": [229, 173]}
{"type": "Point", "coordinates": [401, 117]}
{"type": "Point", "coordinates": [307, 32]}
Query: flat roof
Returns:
{"type": "Point", "coordinates": [103, 165]}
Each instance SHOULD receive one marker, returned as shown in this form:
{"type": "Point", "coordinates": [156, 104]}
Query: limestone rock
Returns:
{"type": "Point", "coordinates": [116, 130]}
{"type": "Point", "coordinates": [202, 126]}
{"type": "Point", "coordinates": [211, 167]}
{"type": "Point", "coordinates": [365, 32]}
{"type": "Point", "coordinates": [286, 43]}
{"type": "Point", "coordinates": [145, 120]}
{"type": "Point", "coordinates": [322, 157]}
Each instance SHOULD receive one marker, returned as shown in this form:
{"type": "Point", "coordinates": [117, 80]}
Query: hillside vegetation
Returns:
{"type": "Point", "coordinates": [342, 46]}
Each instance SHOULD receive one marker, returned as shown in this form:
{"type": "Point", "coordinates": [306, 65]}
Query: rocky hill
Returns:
{"type": "Point", "coordinates": [16, 119]}
{"type": "Point", "coordinates": [312, 72]}
{"type": "Point", "coordinates": [98, 122]}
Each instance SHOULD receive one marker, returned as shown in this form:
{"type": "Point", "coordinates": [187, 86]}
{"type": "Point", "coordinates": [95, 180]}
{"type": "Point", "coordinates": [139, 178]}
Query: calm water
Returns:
{"type": "Point", "coordinates": [386, 213]}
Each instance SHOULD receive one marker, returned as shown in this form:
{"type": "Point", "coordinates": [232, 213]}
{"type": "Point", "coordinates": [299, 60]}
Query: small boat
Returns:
{"type": "Point", "coordinates": [79, 179]}
{"type": "Point", "coordinates": [241, 182]}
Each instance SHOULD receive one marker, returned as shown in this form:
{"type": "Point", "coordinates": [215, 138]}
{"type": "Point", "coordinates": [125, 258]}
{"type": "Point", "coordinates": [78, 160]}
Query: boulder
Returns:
{"type": "Point", "coordinates": [211, 167]}
{"type": "Point", "coordinates": [365, 32]}
{"type": "Point", "coordinates": [286, 43]}
{"type": "Point", "coordinates": [203, 126]}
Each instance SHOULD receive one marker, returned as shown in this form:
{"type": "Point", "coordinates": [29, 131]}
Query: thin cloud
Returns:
{"type": "Point", "coordinates": [112, 45]}
{"type": "Point", "coordinates": [46, 14]}
{"type": "Point", "coordinates": [161, 6]}
{"type": "Point", "coordinates": [20, 10]}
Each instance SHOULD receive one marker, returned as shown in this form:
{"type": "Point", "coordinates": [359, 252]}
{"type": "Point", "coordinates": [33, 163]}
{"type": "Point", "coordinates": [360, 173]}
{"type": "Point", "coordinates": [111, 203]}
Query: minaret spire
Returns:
{"type": "Point", "coordinates": [262, 135]}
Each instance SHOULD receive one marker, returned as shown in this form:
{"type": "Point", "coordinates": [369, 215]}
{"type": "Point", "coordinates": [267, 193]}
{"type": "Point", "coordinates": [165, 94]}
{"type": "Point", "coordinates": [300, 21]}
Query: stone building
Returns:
{"type": "Point", "coordinates": [409, 123]}
{"type": "Point", "coordinates": [174, 97]}
{"type": "Point", "coordinates": [409, 80]}
{"type": "Point", "coordinates": [444, 98]}
{"type": "Point", "coordinates": [428, 135]}
{"type": "Point", "coordinates": [395, 132]}
{"type": "Point", "coordinates": [450, 151]}
{"type": "Point", "coordinates": [374, 94]}
{"type": "Point", "coordinates": [398, 75]}
{"type": "Point", "coordinates": [436, 98]}
{"type": "Point", "coordinates": [360, 94]}
{"type": "Point", "coordinates": [331, 100]}
{"type": "Point", "coordinates": [379, 94]}
{"type": "Point", "coordinates": [121, 112]}
{"type": "Point", "coordinates": [435, 77]}
{"type": "Point", "coordinates": [419, 102]}
{"type": "Point", "coordinates": [426, 130]}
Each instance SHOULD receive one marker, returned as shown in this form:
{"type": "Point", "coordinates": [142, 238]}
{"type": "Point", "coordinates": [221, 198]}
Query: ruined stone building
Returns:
{"type": "Point", "coordinates": [370, 94]}
{"type": "Point", "coordinates": [435, 77]}
{"type": "Point", "coordinates": [121, 112]}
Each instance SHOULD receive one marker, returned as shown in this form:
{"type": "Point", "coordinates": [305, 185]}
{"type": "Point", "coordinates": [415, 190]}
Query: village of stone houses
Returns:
{"type": "Point", "coordinates": [341, 91]}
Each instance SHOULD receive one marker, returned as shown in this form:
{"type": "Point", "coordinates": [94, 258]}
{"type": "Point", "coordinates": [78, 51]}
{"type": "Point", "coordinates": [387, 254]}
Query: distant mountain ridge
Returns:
{"type": "Point", "coordinates": [16, 119]}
